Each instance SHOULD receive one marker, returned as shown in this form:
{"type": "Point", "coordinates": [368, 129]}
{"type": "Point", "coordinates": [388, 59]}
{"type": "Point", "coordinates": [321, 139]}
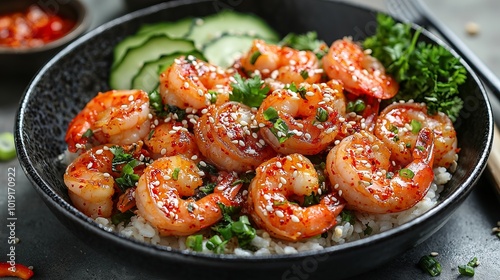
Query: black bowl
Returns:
{"type": "Point", "coordinates": [76, 74]}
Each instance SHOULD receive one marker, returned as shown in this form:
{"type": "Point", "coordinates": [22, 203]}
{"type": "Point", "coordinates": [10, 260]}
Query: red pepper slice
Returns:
{"type": "Point", "coordinates": [18, 270]}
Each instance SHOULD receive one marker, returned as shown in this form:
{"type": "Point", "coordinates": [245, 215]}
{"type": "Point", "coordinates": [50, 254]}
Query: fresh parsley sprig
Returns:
{"type": "Point", "coordinates": [425, 72]}
{"type": "Point", "coordinates": [251, 91]}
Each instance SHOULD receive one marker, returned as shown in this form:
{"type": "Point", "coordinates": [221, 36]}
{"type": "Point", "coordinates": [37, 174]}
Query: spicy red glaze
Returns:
{"type": "Point", "coordinates": [32, 28]}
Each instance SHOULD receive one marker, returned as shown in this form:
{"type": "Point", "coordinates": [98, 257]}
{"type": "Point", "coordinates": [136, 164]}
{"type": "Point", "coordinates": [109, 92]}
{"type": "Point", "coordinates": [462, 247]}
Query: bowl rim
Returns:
{"type": "Point", "coordinates": [82, 24]}
{"type": "Point", "coordinates": [51, 197]}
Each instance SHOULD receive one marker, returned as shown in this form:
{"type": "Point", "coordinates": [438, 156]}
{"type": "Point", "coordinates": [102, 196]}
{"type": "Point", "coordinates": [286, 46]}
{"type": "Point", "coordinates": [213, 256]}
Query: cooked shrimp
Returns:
{"type": "Point", "coordinates": [277, 182]}
{"type": "Point", "coordinates": [188, 83]}
{"type": "Point", "coordinates": [90, 180]}
{"type": "Point", "coordinates": [284, 64]}
{"type": "Point", "coordinates": [117, 116]}
{"type": "Point", "coordinates": [398, 126]}
{"type": "Point", "coordinates": [306, 121]}
{"type": "Point", "coordinates": [169, 139]}
{"type": "Point", "coordinates": [360, 167]}
{"type": "Point", "coordinates": [226, 135]}
{"type": "Point", "coordinates": [360, 73]}
{"type": "Point", "coordinates": [161, 191]}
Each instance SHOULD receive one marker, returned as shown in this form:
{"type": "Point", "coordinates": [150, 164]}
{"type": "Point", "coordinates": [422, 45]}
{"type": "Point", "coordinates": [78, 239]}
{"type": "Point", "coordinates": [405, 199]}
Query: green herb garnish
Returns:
{"type": "Point", "coordinates": [311, 199]}
{"type": "Point", "coordinates": [425, 72]}
{"type": "Point", "coordinates": [348, 216]}
{"type": "Point", "coordinates": [7, 146]}
{"type": "Point", "coordinates": [122, 217]}
{"type": "Point", "coordinates": [156, 103]}
{"type": "Point", "coordinates": [468, 269]}
{"type": "Point", "coordinates": [195, 242]}
{"type": "Point", "coordinates": [254, 57]}
{"type": "Point", "coordinates": [127, 177]}
{"type": "Point", "coordinates": [406, 173]}
{"type": "Point", "coordinates": [368, 230]}
{"type": "Point", "coordinates": [321, 114]}
{"type": "Point", "coordinates": [301, 91]}
{"type": "Point", "coordinates": [175, 173]}
{"type": "Point", "coordinates": [430, 265]}
{"type": "Point", "coordinates": [304, 74]}
{"type": "Point", "coordinates": [251, 91]}
{"type": "Point", "coordinates": [279, 128]}
{"type": "Point", "coordinates": [241, 229]}
{"type": "Point", "coordinates": [216, 244]}
{"type": "Point", "coordinates": [416, 126]}
{"type": "Point", "coordinates": [305, 42]}
{"type": "Point", "coordinates": [356, 106]}
{"type": "Point", "coordinates": [88, 134]}
{"type": "Point", "coordinates": [213, 96]}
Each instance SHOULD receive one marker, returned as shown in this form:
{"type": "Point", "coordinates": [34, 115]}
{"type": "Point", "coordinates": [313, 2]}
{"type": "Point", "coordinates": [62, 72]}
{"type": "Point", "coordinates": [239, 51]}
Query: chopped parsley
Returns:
{"type": "Point", "coordinates": [250, 92]}
{"type": "Point", "coordinates": [425, 72]}
{"type": "Point", "coordinates": [245, 178]}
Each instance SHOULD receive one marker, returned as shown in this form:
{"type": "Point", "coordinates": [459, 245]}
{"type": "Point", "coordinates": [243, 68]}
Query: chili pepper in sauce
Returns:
{"type": "Point", "coordinates": [32, 28]}
{"type": "Point", "coordinates": [18, 270]}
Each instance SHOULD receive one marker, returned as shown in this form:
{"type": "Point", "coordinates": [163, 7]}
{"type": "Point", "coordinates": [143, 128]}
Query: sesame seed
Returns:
{"type": "Point", "coordinates": [434, 254]}
{"type": "Point", "coordinates": [295, 219]}
{"type": "Point", "coordinates": [269, 208]}
{"type": "Point", "coordinates": [280, 214]}
{"type": "Point", "coordinates": [106, 174]}
{"type": "Point", "coordinates": [163, 151]}
{"type": "Point", "coordinates": [278, 164]}
{"type": "Point", "coordinates": [89, 165]}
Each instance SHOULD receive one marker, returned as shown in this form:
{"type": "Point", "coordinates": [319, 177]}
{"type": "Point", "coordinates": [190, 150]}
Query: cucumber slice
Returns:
{"type": "Point", "coordinates": [178, 29]}
{"type": "Point", "coordinates": [225, 50]}
{"type": "Point", "coordinates": [156, 46]}
{"type": "Point", "coordinates": [147, 78]}
{"type": "Point", "coordinates": [7, 146]}
{"type": "Point", "coordinates": [213, 26]}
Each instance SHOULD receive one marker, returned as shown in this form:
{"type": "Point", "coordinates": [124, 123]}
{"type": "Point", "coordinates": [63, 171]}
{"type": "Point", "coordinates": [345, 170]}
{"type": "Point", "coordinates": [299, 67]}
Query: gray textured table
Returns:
{"type": "Point", "coordinates": [56, 254]}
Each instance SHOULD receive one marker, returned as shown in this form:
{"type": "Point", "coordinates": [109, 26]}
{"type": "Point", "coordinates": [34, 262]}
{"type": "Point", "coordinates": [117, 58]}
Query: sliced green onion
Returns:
{"type": "Point", "coordinates": [416, 126]}
{"type": "Point", "coordinates": [406, 173]}
{"type": "Point", "coordinates": [7, 146]}
{"type": "Point", "coordinates": [473, 262]}
{"type": "Point", "coordinates": [357, 106]}
{"type": "Point", "coordinates": [393, 129]}
{"type": "Point", "coordinates": [151, 134]}
{"type": "Point", "coordinates": [430, 265]}
{"type": "Point", "coordinates": [466, 270]}
{"type": "Point", "coordinates": [389, 175]}
{"type": "Point", "coordinates": [271, 114]}
{"type": "Point", "coordinates": [175, 173]}
{"type": "Point", "coordinates": [254, 57]}
{"type": "Point", "coordinates": [195, 242]}
{"type": "Point", "coordinates": [216, 244]}
{"type": "Point", "coordinates": [213, 96]}
{"type": "Point", "coordinates": [420, 148]}
{"type": "Point", "coordinates": [304, 74]}
{"type": "Point", "coordinates": [88, 133]}
{"type": "Point", "coordinates": [321, 114]}
{"type": "Point", "coordinates": [122, 217]}
{"type": "Point", "coordinates": [280, 130]}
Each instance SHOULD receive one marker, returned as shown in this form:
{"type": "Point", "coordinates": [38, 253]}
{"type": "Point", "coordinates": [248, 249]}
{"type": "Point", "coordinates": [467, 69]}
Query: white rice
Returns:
{"type": "Point", "coordinates": [138, 228]}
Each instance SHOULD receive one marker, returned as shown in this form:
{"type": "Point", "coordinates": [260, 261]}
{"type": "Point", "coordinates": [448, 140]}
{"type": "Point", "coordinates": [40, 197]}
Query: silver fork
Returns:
{"type": "Point", "coordinates": [416, 11]}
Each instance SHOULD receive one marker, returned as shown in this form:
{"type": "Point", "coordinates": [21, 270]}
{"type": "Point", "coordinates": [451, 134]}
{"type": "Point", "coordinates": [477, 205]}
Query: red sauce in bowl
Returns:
{"type": "Point", "coordinates": [32, 28]}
